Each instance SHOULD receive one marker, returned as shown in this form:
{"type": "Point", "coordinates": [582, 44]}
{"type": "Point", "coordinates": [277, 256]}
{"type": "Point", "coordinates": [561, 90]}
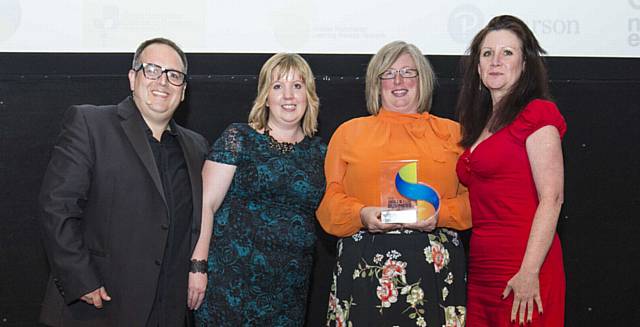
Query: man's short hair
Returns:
{"type": "Point", "coordinates": [158, 40]}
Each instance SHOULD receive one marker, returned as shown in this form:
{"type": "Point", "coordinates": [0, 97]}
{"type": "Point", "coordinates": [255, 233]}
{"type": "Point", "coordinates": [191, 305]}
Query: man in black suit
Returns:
{"type": "Point", "coordinates": [121, 203]}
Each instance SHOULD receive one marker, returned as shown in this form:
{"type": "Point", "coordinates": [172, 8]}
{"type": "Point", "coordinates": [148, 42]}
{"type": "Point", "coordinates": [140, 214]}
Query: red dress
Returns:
{"type": "Point", "coordinates": [503, 201]}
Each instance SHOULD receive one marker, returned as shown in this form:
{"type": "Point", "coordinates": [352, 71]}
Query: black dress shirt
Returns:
{"type": "Point", "coordinates": [177, 191]}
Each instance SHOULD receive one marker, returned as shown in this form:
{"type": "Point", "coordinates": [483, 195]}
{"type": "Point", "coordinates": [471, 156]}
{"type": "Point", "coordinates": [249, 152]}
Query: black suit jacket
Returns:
{"type": "Point", "coordinates": [104, 217]}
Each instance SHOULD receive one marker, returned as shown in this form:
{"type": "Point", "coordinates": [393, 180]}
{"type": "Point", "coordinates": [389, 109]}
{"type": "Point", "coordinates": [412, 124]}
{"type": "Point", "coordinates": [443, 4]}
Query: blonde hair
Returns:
{"type": "Point", "coordinates": [277, 66]}
{"type": "Point", "coordinates": [382, 60]}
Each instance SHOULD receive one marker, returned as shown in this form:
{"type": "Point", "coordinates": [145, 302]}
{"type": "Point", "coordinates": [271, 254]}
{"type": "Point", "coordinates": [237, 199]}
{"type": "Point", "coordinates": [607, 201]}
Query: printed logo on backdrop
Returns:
{"type": "Point", "coordinates": [283, 16]}
{"type": "Point", "coordinates": [10, 15]}
{"type": "Point", "coordinates": [109, 24]}
{"type": "Point", "coordinates": [464, 22]}
{"type": "Point", "coordinates": [101, 24]}
{"type": "Point", "coordinates": [108, 20]}
{"type": "Point", "coordinates": [546, 26]}
{"type": "Point", "coordinates": [633, 25]}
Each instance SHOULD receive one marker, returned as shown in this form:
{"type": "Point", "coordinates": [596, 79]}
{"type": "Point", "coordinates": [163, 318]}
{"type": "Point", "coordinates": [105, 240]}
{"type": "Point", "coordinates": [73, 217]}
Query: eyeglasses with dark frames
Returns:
{"type": "Point", "coordinates": [153, 72]}
{"type": "Point", "coordinates": [404, 72]}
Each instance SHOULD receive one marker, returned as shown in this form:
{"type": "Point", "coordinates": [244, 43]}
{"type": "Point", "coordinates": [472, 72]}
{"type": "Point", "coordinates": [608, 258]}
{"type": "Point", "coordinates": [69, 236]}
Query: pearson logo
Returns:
{"type": "Point", "coordinates": [464, 22]}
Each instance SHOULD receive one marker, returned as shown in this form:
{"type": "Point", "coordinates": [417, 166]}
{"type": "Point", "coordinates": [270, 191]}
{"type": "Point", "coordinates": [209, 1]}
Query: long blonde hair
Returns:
{"type": "Point", "coordinates": [276, 67]}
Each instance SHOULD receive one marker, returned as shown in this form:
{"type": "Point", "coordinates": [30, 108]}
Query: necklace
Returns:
{"type": "Point", "coordinates": [282, 147]}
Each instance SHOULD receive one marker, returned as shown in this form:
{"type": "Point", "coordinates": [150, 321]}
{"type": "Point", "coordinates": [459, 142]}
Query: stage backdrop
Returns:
{"type": "Point", "coordinates": [599, 97]}
{"type": "Point", "coordinates": [565, 28]}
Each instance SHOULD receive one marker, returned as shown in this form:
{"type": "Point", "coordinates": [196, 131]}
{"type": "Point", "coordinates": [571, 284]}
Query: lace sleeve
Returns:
{"type": "Point", "coordinates": [227, 149]}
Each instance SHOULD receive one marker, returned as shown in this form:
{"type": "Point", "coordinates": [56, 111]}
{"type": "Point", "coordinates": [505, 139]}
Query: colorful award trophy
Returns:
{"type": "Point", "coordinates": [403, 198]}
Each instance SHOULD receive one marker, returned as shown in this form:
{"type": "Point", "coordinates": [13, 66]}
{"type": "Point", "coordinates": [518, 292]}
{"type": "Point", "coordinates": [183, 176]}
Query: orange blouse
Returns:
{"type": "Point", "coordinates": [353, 161]}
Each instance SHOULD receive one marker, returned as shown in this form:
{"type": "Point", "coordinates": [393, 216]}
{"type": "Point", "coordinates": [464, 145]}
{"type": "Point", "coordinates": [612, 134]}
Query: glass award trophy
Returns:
{"type": "Point", "coordinates": [403, 198]}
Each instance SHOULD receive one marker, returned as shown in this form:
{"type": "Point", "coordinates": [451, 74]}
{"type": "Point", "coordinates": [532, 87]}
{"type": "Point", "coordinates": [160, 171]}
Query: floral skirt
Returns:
{"type": "Point", "coordinates": [404, 279]}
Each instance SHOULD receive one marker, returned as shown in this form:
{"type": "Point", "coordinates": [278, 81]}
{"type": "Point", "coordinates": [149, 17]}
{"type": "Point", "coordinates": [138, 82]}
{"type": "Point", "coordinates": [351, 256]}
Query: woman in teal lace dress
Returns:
{"type": "Point", "coordinates": [262, 184]}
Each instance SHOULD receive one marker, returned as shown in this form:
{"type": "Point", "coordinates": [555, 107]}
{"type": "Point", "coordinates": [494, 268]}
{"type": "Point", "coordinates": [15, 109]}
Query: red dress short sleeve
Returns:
{"type": "Point", "coordinates": [537, 114]}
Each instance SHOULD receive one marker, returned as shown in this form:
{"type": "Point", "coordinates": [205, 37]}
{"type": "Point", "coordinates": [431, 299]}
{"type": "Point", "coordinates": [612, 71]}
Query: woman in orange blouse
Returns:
{"type": "Point", "coordinates": [395, 274]}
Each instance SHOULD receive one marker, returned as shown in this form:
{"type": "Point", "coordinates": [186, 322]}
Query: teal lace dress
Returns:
{"type": "Point", "coordinates": [263, 236]}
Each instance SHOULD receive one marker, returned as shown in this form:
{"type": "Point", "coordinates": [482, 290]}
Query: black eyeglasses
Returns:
{"type": "Point", "coordinates": [404, 72]}
{"type": "Point", "coordinates": [153, 72]}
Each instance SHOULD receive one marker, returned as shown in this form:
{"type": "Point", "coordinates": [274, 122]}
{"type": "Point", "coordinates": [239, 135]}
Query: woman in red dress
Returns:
{"type": "Point", "coordinates": [513, 168]}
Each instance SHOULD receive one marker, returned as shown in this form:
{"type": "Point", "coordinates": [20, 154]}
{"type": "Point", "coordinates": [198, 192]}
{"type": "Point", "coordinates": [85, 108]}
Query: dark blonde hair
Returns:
{"type": "Point", "coordinates": [384, 59]}
{"type": "Point", "coordinates": [276, 67]}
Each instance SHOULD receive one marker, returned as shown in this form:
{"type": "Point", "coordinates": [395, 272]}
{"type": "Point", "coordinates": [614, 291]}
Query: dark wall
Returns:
{"type": "Point", "coordinates": [599, 97]}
